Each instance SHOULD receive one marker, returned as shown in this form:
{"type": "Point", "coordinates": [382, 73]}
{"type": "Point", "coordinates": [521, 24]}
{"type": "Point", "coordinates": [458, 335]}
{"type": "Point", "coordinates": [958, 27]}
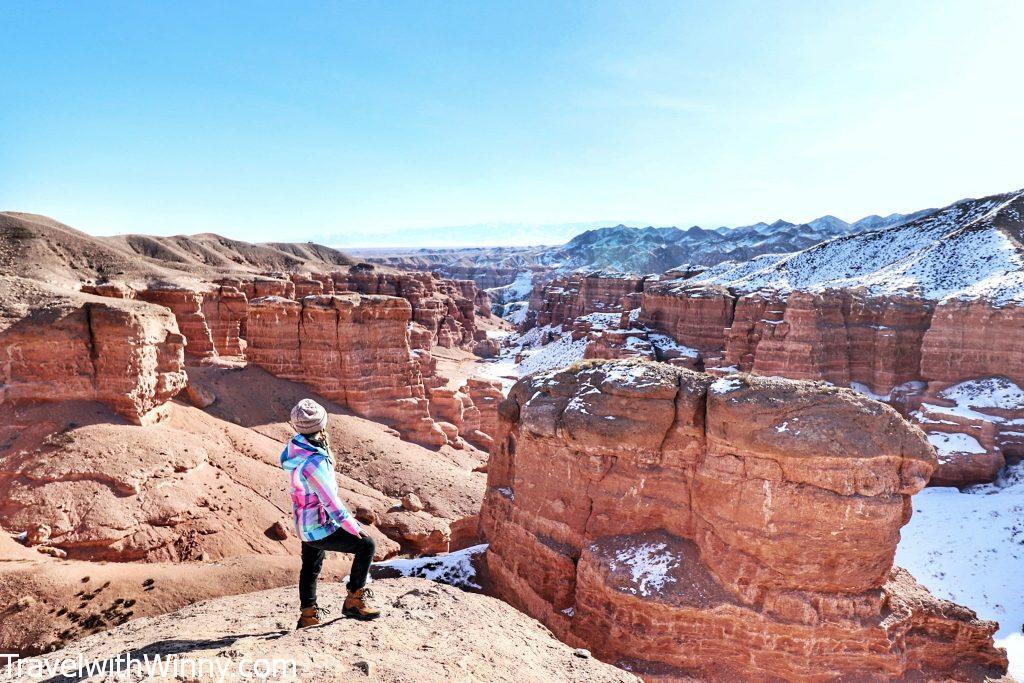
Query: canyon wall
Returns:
{"type": "Point", "coordinates": [733, 529]}
{"type": "Point", "coordinates": [210, 316]}
{"type": "Point", "coordinates": [695, 316]}
{"type": "Point", "coordinates": [353, 349]}
{"type": "Point", "coordinates": [564, 299]}
{"type": "Point", "coordinates": [973, 339]}
{"type": "Point", "coordinates": [125, 354]}
{"type": "Point", "coordinates": [900, 349]}
{"type": "Point", "coordinates": [438, 305]}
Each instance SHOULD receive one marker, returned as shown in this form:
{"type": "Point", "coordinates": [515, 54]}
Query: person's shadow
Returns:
{"type": "Point", "coordinates": [161, 648]}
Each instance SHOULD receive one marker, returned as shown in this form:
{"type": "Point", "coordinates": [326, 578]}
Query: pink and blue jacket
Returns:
{"type": "Point", "coordinates": [318, 510]}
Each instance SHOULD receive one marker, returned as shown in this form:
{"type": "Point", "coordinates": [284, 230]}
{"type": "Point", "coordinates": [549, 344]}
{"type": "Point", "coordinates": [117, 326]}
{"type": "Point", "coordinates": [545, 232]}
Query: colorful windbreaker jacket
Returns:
{"type": "Point", "coordinates": [318, 510]}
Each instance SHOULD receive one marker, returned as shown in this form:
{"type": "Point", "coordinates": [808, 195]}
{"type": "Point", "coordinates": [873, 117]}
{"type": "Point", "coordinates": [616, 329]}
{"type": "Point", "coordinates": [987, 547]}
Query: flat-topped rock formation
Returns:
{"type": "Point", "coordinates": [745, 527]}
{"type": "Point", "coordinates": [64, 346]}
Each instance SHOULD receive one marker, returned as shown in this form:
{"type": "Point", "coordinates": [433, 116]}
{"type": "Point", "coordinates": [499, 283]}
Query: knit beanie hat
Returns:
{"type": "Point", "coordinates": [308, 417]}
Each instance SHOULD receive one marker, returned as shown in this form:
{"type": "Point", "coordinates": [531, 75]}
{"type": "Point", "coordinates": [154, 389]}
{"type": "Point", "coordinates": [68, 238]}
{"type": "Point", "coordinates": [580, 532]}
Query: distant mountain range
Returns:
{"type": "Point", "coordinates": [631, 249]}
{"type": "Point", "coordinates": [970, 249]}
{"type": "Point", "coordinates": [655, 250]}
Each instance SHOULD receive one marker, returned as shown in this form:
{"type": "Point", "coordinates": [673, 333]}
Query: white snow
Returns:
{"type": "Point", "coordinates": [723, 385]}
{"type": "Point", "coordinates": [955, 253]}
{"type": "Point", "coordinates": [560, 352]}
{"type": "Point", "coordinates": [974, 396]}
{"type": "Point", "coordinates": [515, 312]}
{"type": "Point", "coordinates": [518, 290]}
{"type": "Point", "coordinates": [969, 547]}
{"type": "Point", "coordinates": [866, 390]}
{"type": "Point", "coordinates": [631, 373]}
{"type": "Point", "coordinates": [663, 342]}
{"type": "Point", "coordinates": [502, 368]}
{"type": "Point", "coordinates": [455, 569]}
{"type": "Point", "coordinates": [601, 321]}
{"type": "Point", "coordinates": [949, 444]}
{"type": "Point", "coordinates": [649, 564]}
{"type": "Point", "coordinates": [991, 392]}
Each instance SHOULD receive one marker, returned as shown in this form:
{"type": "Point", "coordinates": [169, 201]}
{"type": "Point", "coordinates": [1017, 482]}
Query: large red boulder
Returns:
{"type": "Point", "coordinates": [732, 529]}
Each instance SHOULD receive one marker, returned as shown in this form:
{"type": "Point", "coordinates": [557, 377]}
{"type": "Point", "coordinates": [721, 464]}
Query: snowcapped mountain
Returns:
{"type": "Point", "coordinates": [969, 249]}
{"type": "Point", "coordinates": [655, 250]}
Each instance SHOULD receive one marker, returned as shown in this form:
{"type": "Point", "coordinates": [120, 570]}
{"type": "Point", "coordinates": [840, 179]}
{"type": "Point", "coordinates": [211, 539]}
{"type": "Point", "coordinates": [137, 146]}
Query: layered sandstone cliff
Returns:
{"type": "Point", "coordinates": [438, 305]}
{"type": "Point", "coordinates": [352, 349]}
{"type": "Point", "coordinates": [564, 299]}
{"type": "Point", "coordinates": [698, 317]}
{"type": "Point", "coordinates": [890, 347]}
{"type": "Point", "coordinates": [209, 316]}
{"type": "Point", "coordinates": [65, 347]}
{"type": "Point", "coordinates": [736, 529]}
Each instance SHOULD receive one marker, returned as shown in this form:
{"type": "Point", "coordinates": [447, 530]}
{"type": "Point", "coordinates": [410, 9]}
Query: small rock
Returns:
{"type": "Point", "coordinates": [366, 667]}
{"type": "Point", "coordinates": [581, 653]}
{"type": "Point", "coordinates": [198, 396]}
{"type": "Point", "coordinates": [38, 536]}
{"type": "Point", "coordinates": [25, 602]}
{"type": "Point", "coordinates": [277, 531]}
{"type": "Point", "coordinates": [51, 551]}
{"type": "Point", "coordinates": [412, 502]}
{"type": "Point", "coordinates": [365, 515]}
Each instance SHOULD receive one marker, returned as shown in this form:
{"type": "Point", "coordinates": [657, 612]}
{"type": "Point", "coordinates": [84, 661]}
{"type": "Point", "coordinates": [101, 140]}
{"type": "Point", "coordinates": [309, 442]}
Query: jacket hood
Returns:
{"type": "Point", "coordinates": [297, 451]}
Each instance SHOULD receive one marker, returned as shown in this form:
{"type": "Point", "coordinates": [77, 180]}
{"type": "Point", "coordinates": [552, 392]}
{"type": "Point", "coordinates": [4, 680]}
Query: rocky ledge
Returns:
{"type": "Point", "coordinates": [429, 632]}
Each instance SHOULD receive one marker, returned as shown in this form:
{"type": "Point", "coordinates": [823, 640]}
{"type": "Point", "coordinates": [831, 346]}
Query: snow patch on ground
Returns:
{"type": "Point", "coordinates": [648, 564]}
{"type": "Point", "coordinates": [561, 351]}
{"type": "Point", "coordinates": [866, 391]}
{"type": "Point", "coordinates": [455, 569]}
{"type": "Point", "coordinates": [514, 312]}
{"type": "Point", "coordinates": [601, 321]}
{"type": "Point", "coordinates": [665, 343]}
{"type": "Point", "coordinates": [969, 547]}
{"type": "Point", "coordinates": [518, 290]}
{"type": "Point", "coordinates": [723, 385]}
{"type": "Point", "coordinates": [990, 392]}
{"type": "Point", "coordinates": [974, 396]}
{"type": "Point", "coordinates": [949, 444]}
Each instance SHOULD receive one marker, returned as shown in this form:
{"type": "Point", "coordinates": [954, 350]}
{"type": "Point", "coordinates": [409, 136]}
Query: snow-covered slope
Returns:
{"type": "Point", "coordinates": [967, 250]}
{"type": "Point", "coordinates": [655, 250]}
{"type": "Point", "coordinates": [968, 547]}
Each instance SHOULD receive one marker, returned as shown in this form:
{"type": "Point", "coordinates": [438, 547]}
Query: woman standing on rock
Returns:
{"type": "Point", "coordinates": [321, 519]}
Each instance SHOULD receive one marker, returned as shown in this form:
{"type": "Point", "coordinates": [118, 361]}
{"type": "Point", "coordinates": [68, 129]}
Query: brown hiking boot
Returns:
{"type": "Point", "coordinates": [310, 616]}
{"type": "Point", "coordinates": [359, 605]}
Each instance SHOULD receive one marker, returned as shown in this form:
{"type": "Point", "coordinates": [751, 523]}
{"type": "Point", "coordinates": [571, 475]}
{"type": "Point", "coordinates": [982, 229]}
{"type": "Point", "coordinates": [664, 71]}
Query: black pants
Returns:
{"type": "Point", "coordinates": [340, 541]}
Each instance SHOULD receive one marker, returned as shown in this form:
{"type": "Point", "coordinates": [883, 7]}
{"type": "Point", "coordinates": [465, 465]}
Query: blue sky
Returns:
{"type": "Point", "coordinates": [386, 123]}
